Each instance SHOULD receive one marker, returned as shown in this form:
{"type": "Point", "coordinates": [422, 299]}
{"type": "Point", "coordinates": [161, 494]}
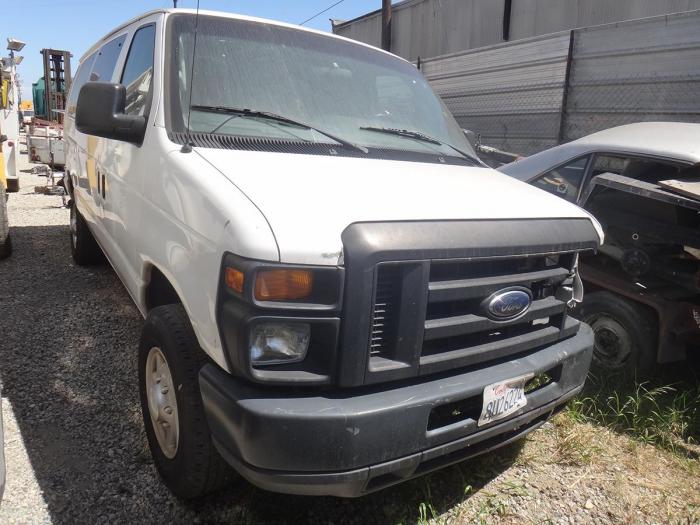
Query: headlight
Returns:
{"type": "Point", "coordinates": [234, 279]}
{"type": "Point", "coordinates": [275, 343]}
{"type": "Point", "coordinates": [283, 285]}
{"type": "Point", "coordinates": [272, 285]}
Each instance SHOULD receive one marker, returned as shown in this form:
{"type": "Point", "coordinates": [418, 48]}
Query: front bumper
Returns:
{"type": "Point", "coordinates": [352, 442]}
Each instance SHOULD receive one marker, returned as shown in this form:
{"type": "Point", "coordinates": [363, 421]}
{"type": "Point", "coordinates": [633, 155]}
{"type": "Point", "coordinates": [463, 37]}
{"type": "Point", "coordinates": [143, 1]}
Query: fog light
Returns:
{"type": "Point", "coordinates": [274, 343]}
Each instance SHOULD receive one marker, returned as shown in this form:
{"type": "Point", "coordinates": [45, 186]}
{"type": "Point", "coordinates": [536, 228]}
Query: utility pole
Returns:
{"type": "Point", "coordinates": [386, 25]}
{"type": "Point", "coordinates": [507, 13]}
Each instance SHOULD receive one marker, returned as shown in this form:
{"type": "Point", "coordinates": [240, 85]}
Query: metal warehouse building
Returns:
{"type": "Point", "coordinates": [429, 28]}
{"type": "Point", "coordinates": [529, 74]}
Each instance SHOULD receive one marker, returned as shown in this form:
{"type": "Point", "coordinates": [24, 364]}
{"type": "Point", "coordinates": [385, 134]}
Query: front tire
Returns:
{"type": "Point", "coordinates": [83, 246]}
{"type": "Point", "coordinates": [178, 434]}
{"type": "Point", "coordinates": [6, 247]}
{"type": "Point", "coordinates": [625, 333]}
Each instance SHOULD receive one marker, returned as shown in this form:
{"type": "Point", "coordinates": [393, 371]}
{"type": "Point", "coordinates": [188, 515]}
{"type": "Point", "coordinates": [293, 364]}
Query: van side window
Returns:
{"type": "Point", "coordinates": [107, 60]}
{"type": "Point", "coordinates": [138, 71]}
{"type": "Point", "coordinates": [80, 78]}
{"type": "Point", "coordinates": [565, 180]}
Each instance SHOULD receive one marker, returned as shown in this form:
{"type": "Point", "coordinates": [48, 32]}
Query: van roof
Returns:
{"type": "Point", "coordinates": [222, 14]}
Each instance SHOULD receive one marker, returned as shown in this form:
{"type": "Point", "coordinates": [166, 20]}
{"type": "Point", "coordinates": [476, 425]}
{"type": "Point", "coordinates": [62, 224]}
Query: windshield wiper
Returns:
{"type": "Point", "coordinates": [418, 135]}
{"type": "Point", "coordinates": [242, 112]}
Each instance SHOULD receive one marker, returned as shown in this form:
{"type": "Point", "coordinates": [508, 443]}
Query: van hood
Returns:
{"type": "Point", "coordinates": [309, 200]}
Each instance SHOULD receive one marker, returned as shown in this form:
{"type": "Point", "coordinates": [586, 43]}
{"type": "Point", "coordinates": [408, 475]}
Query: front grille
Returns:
{"type": "Point", "coordinates": [385, 309]}
{"type": "Point", "coordinates": [456, 332]}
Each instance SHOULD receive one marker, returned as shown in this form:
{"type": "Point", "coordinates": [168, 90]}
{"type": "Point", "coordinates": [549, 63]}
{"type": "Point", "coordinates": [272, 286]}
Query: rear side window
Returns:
{"type": "Point", "coordinates": [107, 60]}
{"type": "Point", "coordinates": [138, 71]}
{"type": "Point", "coordinates": [650, 170]}
{"type": "Point", "coordinates": [80, 78]}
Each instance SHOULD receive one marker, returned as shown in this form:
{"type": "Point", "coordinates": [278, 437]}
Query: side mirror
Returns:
{"type": "Point", "coordinates": [100, 112]}
{"type": "Point", "coordinates": [471, 137]}
{"type": "Point", "coordinates": [3, 138]}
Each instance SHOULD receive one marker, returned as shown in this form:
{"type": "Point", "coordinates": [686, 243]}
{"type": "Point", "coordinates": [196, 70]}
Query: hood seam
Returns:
{"type": "Point", "coordinates": [277, 244]}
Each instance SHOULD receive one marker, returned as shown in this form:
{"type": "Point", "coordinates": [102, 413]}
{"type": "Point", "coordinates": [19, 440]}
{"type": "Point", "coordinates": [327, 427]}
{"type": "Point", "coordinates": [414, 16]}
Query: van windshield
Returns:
{"type": "Point", "coordinates": [349, 91]}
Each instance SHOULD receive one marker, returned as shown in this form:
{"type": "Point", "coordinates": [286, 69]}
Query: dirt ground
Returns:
{"type": "Point", "coordinates": [76, 450]}
{"type": "Point", "coordinates": [578, 473]}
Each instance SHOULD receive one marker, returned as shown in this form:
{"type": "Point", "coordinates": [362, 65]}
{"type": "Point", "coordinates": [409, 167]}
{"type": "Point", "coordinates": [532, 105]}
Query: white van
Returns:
{"type": "Point", "coordinates": [338, 295]}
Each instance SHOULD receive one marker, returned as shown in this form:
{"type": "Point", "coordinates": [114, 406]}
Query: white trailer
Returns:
{"type": "Point", "coordinates": [45, 145]}
{"type": "Point", "coordinates": [9, 122]}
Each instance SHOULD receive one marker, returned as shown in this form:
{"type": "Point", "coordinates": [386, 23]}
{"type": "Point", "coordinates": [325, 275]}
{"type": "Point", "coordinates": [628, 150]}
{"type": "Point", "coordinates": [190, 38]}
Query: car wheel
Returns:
{"type": "Point", "coordinates": [178, 434]}
{"type": "Point", "coordinates": [6, 247]}
{"type": "Point", "coordinates": [12, 184]}
{"type": "Point", "coordinates": [625, 333]}
{"type": "Point", "coordinates": [83, 246]}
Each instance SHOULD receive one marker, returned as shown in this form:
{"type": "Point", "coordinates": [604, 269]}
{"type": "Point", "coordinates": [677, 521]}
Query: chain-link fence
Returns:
{"type": "Point", "coordinates": [532, 94]}
{"type": "Point", "coordinates": [640, 70]}
{"type": "Point", "coordinates": [510, 94]}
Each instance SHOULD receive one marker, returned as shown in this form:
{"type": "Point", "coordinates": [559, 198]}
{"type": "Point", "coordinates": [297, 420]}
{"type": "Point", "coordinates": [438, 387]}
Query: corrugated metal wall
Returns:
{"type": "Point", "coordinates": [634, 71]}
{"type": "Point", "coordinates": [367, 30]}
{"type": "Point", "coordinates": [538, 17]}
{"type": "Point", "coordinates": [429, 28]}
{"type": "Point", "coordinates": [511, 94]}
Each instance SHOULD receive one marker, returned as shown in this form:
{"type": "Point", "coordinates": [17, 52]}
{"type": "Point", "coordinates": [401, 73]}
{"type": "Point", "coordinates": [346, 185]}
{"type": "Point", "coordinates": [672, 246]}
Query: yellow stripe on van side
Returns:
{"type": "Point", "coordinates": [3, 175]}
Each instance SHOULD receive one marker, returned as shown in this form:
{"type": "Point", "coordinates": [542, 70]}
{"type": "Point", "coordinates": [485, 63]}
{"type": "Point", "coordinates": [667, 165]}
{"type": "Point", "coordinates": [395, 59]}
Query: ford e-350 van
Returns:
{"type": "Point", "coordinates": [338, 295]}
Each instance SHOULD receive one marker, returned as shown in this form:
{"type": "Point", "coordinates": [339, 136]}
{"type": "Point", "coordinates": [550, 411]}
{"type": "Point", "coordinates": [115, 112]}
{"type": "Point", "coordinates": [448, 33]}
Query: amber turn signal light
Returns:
{"type": "Point", "coordinates": [234, 279]}
{"type": "Point", "coordinates": [283, 285]}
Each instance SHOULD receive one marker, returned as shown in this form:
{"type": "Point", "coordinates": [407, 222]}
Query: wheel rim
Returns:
{"type": "Point", "coordinates": [613, 342]}
{"type": "Point", "coordinates": [162, 403]}
{"type": "Point", "coordinates": [73, 227]}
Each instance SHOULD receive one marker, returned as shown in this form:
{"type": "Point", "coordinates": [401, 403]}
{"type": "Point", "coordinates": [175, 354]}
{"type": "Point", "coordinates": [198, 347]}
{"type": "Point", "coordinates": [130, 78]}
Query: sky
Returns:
{"type": "Point", "coordinates": [75, 25]}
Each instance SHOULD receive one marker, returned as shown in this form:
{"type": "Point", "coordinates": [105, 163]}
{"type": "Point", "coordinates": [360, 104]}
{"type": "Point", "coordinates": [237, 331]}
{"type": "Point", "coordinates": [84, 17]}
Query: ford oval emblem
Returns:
{"type": "Point", "coordinates": [508, 304]}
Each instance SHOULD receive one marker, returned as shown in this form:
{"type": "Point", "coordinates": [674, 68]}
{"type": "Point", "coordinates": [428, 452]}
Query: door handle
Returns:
{"type": "Point", "coordinates": [101, 184]}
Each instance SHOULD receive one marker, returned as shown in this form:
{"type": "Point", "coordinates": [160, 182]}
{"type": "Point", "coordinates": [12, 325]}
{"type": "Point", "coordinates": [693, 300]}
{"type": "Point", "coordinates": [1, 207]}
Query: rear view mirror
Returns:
{"type": "Point", "coordinates": [100, 112]}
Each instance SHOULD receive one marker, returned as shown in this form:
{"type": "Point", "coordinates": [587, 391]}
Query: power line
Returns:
{"type": "Point", "coordinates": [321, 12]}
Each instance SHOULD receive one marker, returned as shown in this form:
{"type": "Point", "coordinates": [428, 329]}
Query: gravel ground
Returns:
{"type": "Point", "coordinates": [76, 450]}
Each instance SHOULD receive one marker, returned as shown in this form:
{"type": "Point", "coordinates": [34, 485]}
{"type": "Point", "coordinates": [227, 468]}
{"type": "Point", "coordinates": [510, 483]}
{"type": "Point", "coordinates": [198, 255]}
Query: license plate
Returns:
{"type": "Point", "coordinates": [503, 399]}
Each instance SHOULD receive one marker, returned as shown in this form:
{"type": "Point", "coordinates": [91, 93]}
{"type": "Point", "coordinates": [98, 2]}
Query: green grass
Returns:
{"type": "Point", "coordinates": [663, 411]}
{"type": "Point", "coordinates": [656, 412]}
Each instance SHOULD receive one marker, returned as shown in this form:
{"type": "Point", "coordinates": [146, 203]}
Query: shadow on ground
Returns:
{"type": "Point", "coordinates": [68, 365]}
